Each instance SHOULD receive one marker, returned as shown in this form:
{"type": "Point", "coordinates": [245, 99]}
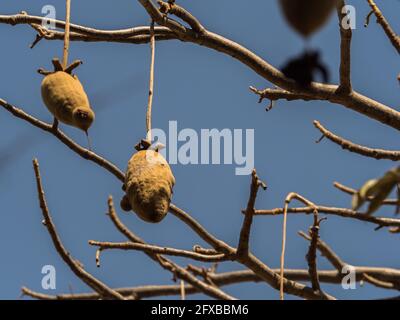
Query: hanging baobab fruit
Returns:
{"type": "Point", "coordinates": [148, 179]}
{"type": "Point", "coordinates": [307, 16]}
{"type": "Point", "coordinates": [148, 185]}
{"type": "Point", "coordinates": [64, 96]}
{"type": "Point", "coordinates": [63, 93]}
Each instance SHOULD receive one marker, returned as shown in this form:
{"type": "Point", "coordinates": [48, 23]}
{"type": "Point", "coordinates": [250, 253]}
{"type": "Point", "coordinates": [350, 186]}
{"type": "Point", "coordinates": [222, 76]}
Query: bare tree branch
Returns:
{"type": "Point", "coordinates": [279, 94]}
{"type": "Point", "coordinates": [312, 253]}
{"type": "Point", "coordinates": [86, 277]}
{"type": "Point", "coordinates": [342, 212]}
{"type": "Point", "coordinates": [158, 17]}
{"type": "Point", "coordinates": [356, 148]}
{"type": "Point", "coordinates": [345, 52]}
{"type": "Point", "coordinates": [379, 279]}
{"type": "Point", "coordinates": [166, 263]}
{"type": "Point", "coordinates": [173, 8]}
{"type": "Point", "coordinates": [380, 283]}
{"type": "Point", "coordinates": [140, 36]}
{"type": "Point", "coordinates": [316, 91]}
{"type": "Point", "coordinates": [67, 32]}
{"type": "Point", "coordinates": [233, 277]}
{"type": "Point", "coordinates": [393, 37]}
{"type": "Point", "coordinates": [159, 250]}
{"type": "Point", "coordinates": [24, 18]}
{"type": "Point", "coordinates": [243, 246]}
{"type": "Point", "coordinates": [327, 252]}
{"type": "Point", "coordinates": [291, 196]}
{"type": "Point", "coordinates": [217, 244]}
{"type": "Point", "coordinates": [83, 152]}
{"type": "Point", "coordinates": [252, 262]}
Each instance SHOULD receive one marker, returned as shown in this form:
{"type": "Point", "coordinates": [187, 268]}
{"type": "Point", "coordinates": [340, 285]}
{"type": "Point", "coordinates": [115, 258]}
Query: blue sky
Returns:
{"type": "Point", "coordinates": [198, 88]}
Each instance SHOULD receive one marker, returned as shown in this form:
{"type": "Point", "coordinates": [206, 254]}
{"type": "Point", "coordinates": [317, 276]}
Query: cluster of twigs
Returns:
{"type": "Point", "coordinates": [166, 26]}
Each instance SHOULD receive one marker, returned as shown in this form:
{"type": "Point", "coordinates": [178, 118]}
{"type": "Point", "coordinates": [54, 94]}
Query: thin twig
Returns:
{"type": "Point", "coordinates": [291, 196]}
{"type": "Point", "coordinates": [243, 245]}
{"type": "Point", "coordinates": [381, 284]}
{"type": "Point", "coordinates": [173, 8]}
{"type": "Point", "coordinates": [83, 152]}
{"type": "Point", "coordinates": [151, 82]}
{"type": "Point", "coordinates": [368, 18]}
{"type": "Point", "coordinates": [312, 253]}
{"type": "Point", "coordinates": [197, 248]}
{"type": "Point", "coordinates": [189, 278]}
{"type": "Point", "coordinates": [341, 212]}
{"type": "Point", "coordinates": [218, 245]}
{"type": "Point", "coordinates": [356, 148]}
{"type": "Point", "coordinates": [282, 261]}
{"type": "Point", "coordinates": [183, 293]}
{"type": "Point", "coordinates": [393, 37]}
{"type": "Point", "coordinates": [327, 252]}
{"type": "Point", "coordinates": [67, 32]}
{"type": "Point", "coordinates": [91, 33]}
{"type": "Point", "coordinates": [205, 273]}
{"type": "Point", "coordinates": [278, 94]}
{"type": "Point", "coordinates": [136, 35]}
{"type": "Point", "coordinates": [158, 250]}
{"type": "Point", "coordinates": [362, 273]}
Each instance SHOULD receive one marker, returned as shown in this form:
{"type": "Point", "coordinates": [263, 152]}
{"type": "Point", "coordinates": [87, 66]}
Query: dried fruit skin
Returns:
{"type": "Point", "coordinates": [66, 99]}
{"type": "Point", "coordinates": [378, 189]}
{"type": "Point", "coordinates": [307, 16]}
{"type": "Point", "coordinates": [149, 182]}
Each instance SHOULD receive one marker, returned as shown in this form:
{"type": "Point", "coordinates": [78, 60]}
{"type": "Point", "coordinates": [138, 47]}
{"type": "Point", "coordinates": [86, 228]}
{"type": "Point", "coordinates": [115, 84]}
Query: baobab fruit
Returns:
{"type": "Point", "coordinates": [64, 96]}
{"type": "Point", "coordinates": [148, 185]}
{"type": "Point", "coordinates": [66, 99]}
{"type": "Point", "coordinates": [307, 16]}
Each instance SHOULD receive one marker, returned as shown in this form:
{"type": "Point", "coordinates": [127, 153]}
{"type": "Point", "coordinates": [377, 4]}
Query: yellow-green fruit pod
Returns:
{"type": "Point", "coordinates": [66, 99]}
{"type": "Point", "coordinates": [149, 182]}
{"type": "Point", "coordinates": [307, 16]}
